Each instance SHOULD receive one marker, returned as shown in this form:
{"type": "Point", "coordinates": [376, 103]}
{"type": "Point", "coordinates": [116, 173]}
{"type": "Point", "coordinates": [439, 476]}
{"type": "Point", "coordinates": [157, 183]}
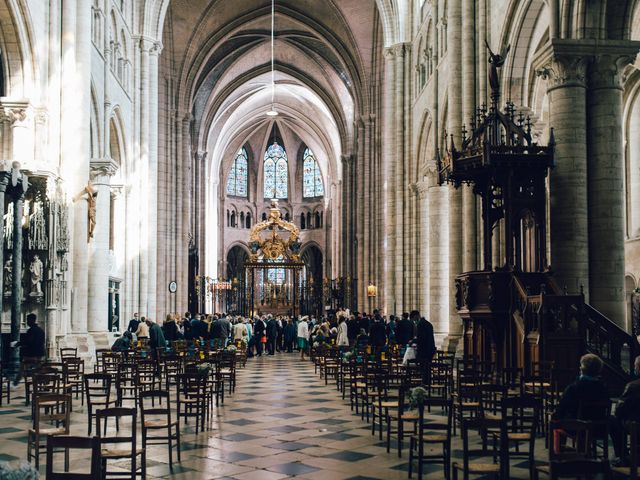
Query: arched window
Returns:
{"type": "Point", "coordinates": [309, 224]}
{"type": "Point", "coordinates": [276, 275]}
{"type": "Point", "coordinates": [233, 219]}
{"type": "Point", "coordinates": [237, 179]}
{"type": "Point", "coordinates": [302, 221]}
{"type": "Point", "coordinates": [317, 219]}
{"type": "Point", "coordinates": [248, 220]}
{"type": "Point", "coordinates": [311, 177]}
{"type": "Point", "coordinates": [276, 172]}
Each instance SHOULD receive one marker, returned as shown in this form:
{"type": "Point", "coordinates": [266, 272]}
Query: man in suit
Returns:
{"type": "Point", "coordinates": [352, 329]}
{"type": "Point", "coordinates": [133, 323]}
{"type": "Point", "coordinates": [426, 343]}
{"type": "Point", "coordinates": [272, 335]}
{"type": "Point", "coordinates": [378, 332]}
{"type": "Point", "coordinates": [627, 410]}
{"type": "Point", "coordinates": [404, 330]}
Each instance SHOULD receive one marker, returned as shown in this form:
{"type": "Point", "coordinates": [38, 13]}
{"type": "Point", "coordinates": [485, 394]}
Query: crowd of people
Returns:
{"type": "Point", "coordinates": [269, 334]}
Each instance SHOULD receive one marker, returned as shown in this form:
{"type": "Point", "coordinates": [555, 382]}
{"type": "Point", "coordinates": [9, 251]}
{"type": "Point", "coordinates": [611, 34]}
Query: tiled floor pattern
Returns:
{"type": "Point", "coordinates": [282, 422]}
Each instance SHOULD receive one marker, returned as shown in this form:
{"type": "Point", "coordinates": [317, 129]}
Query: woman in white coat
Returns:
{"type": "Point", "coordinates": [342, 339]}
{"type": "Point", "coordinates": [303, 336]}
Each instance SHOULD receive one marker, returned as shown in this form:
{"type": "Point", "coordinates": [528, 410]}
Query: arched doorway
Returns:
{"type": "Point", "coordinates": [236, 298]}
{"type": "Point", "coordinates": [311, 298]}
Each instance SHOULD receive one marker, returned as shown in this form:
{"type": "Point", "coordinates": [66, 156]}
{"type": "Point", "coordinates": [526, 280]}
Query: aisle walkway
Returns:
{"type": "Point", "coordinates": [281, 422]}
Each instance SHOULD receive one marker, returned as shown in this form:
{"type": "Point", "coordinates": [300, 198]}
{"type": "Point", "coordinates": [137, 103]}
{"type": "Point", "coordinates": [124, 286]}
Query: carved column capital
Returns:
{"type": "Point", "coordinates": [607, 70]}
{"type": "Point", "coordinates": [422, 189]}
{"type": "Point", "coordinates": [564, 70]}
{"type": "Point", "coordinates": [101, 170]}
{"type": "Point", "coordinates": [116, 191]}
{"type": "Point", "coordinates": [398, 50]}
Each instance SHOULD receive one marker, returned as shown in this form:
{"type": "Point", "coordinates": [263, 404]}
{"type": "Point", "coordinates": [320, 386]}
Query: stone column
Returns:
{"type": "Point", "coordinates": [389, 168]}
{"type": "Point", "coordinates": [454, 58]}
{"type": "Point", "coordinates": [101, 173]}
{"type": "Point", "coordinates": [152, 218]}
{"type": "Point", "coordinates": [606, 184]}
{"type": "Point", "coordinates": [469, 208]}
{"type": "Point", "coordinates": [422, 252]}
{"type": "Point", "coordinates": [565, 73]}
{"type": "Point", "coordinates": [439, 263]}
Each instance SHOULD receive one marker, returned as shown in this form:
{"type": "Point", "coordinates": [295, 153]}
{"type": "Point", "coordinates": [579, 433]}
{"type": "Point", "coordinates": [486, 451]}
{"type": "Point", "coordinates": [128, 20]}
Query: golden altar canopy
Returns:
{"type": "Point", "coordinates": [275, 239]}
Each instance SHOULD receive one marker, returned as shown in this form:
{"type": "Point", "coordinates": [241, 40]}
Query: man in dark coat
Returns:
{"type": "Point", "coordinates": [220, 330]}
{"type": "Point", "coordinates": [31, 344]}
{"type": "Point", "coordinates": [272, 335]}
{"type": "Point", "coordinates": [378, 332]}
{"type": "Point", "coordinates": [426, 344]}
{"type": "Point", "coordinates": [258, 332]}
{"type": "Point", "coordinates": [364, 323]}
{"type": "Point", "coordinates": [133, 323]}
{"type": "Point", "coordinates": [352, 329]}
{"type": "Point", "coordinates": [404, 330]}
{"type": "Point", "coordinates": [156, 337]}
{"type": "Point", "coordinates": [627, 410]}
{"type": "Point", "coordinates": [199, 329]}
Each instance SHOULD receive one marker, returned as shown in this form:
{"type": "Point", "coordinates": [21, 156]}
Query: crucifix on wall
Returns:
{"type": "Point", "coordinates": [89, 194]}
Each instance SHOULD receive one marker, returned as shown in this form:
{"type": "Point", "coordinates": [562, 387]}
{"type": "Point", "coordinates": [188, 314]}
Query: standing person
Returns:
{"type": "Point", "coordinates": [404, 330]}
{"type": "Point", "coordinates": [240, 332]}
{"type": "Point", "coordinates": [627, 410]}
{"type": "Point", "coordinates": [303, 336]}
{"type": "Point", "coordinates": [289, 335]}
{"type": "Point", "coordinates": [378, 332]}
{"type": "Point", "coordinates": [199, 329]}
{"type": "Point", "coordinates": [170, 329]}
{"type": "Point", "coordinates": [272, 335]}
{"type": "Point", "coordinates": [156, 337]}
{"type": "Point", "coordinates": [143, 329]}
{"type": "Point", "coordinates": [259, 332]}
{"type": "Point", "coordinates": [363, 322]}
{"type": "Point", "coordinates": [133, 323]}
{"type": "Point", "coordinates": [352, 329]}
{"type": "Point", "coordinates": [426, 344]}
{"type": "Point", "coordinates": [342, 339]}
{"type": "Point", "coordinates": [31, 345]}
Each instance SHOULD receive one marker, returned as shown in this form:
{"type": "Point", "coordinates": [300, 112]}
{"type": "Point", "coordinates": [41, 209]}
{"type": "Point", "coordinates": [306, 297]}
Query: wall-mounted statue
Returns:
{"type": "Point", "coordinates": [8, 275]}
{"type": "Point", "coordinates": [37, 228]}
{"type": "Point", "coordinates": [36, 269]}
{"type": "Point", "coordinates": [8, 226]}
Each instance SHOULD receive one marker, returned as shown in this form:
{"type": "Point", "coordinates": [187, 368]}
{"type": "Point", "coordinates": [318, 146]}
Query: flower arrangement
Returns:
{"type": "Point", "coordinates": [417, 396]}
{"type": "Point", "coordinates": [347, 356]}
{"type": "Point", "coordinates": [25, 471]}
{"type": "Point", "coordinates": [231, 348]}
{"type": "Point", "coordinates": [204, 368]}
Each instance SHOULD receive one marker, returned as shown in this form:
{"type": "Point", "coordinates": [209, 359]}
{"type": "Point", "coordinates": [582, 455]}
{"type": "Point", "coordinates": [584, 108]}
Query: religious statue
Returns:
{"type": "Point", "coordinates": [90, 196]}
{"type": "Point", "coordinates": [8, 275]}
{"type": "Point", "coordinates": [37, 228]}
{"type": "Point", "coordinates": [496, 62]}
{"type": "Point", "coordinates": [8, 226]}
{"type": "Point", "coordinates": [36, 276]}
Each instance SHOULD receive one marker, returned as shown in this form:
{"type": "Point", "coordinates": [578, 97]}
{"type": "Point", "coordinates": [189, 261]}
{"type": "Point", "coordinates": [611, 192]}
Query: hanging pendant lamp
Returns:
{"type": "Point", "coordinates": [273, 112]}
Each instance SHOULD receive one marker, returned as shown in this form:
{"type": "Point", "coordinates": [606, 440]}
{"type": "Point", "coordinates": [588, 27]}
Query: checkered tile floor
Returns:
{"type": "Point", "coordinates": [282, 422]}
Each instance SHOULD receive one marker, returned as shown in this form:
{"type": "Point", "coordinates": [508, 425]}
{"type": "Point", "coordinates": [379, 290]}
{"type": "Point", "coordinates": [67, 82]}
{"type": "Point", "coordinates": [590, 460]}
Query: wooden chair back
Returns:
{"type": "Point", "coordinates": [67, 443]}
{"type": "Point", "coordinates": [68, 352]}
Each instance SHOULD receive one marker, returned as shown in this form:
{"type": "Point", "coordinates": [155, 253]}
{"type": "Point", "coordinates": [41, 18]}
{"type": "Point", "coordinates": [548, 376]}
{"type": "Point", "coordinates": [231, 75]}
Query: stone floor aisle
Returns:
{"type": "Point", "coordinates": [282, 422]}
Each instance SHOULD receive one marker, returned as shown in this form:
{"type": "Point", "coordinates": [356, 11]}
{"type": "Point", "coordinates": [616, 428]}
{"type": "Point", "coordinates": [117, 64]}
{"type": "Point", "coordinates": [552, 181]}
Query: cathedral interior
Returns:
{"type": "Point", "coordinates": [475, 160]}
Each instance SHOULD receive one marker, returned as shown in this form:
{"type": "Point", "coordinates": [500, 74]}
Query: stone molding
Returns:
{"type": "Point", "coordinates": [565, 71]}
{"type": "Point", "coordinates": [17, 113]}
{"type": "Point", "coordinates": [398, 50]}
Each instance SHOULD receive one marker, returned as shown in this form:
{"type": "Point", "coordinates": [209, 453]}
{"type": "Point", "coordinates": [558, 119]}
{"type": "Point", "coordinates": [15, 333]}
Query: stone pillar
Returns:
{"type": "Point", "coordinates": [144, 187]}
{"type": "Point", "coordinates": [454, 58]}
{"type": "Point", "coordinates": [388, 185]}
{"type": "Point", "coordinates": [439, 262]}
{"type": "Point", "coordinates": [565, 73]}
{"type": "Point", "coordinates": [469, 207]}
{"type": "Point", "coordinates": [152, 218]}
{"type": "Point", "coordinates": [424, 270]}
{"type": "Point", "coordinates": [101, 173]}
{"type": "Point", "coordinates": [606, 184]}
{"type": "Point", "coordinates": [18, 187]}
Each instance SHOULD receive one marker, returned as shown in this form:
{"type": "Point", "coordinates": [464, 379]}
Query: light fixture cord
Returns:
{"type": "Point", "coordinates": [273, 76]}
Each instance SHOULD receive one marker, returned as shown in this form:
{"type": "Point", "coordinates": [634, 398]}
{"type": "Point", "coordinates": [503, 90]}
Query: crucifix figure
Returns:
{"type": "Point", "coordinates": [89, 195]}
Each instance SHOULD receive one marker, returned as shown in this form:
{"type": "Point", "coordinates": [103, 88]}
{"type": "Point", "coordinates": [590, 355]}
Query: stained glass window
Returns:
{"type": "Point", "coordinates": [275, 275]}
{"type": "Point", "coordinates": [311, 176]}
{"type": "Point", "coordinates": [276, 172]}
{"type": "Point", "coordinates": [237, 179]}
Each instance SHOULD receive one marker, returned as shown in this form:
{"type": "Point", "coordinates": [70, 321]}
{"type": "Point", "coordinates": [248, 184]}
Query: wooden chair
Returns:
{"type": "Point", "coordinates": [440, 385]}
{"type": "Point", "coordinates": [126, 383]}
{"type": "Point", "coordinates": [466, 403]}
{"type": "Point", "coordinates": [192, 398]}
{"type": "Point", "coordinates": [467, 466]}
{"type": "Point", "coordinates": [631, 472]}
{"type": "Point", "coordinates": [50, 418]}
{"type": "Point", "coordinates": [597, 413]}
{"type": "Point", "coordinates": [97, 387]}
{"type": "Point", "coordinates": [571, 460]}
{"type": "Point", "coordinates": [73, 376]}
{"type": "Point", "coordinates": [432, 434]}
{"type": "Point", "coordinates": [157, 418]}
{"type": "Point", "coordinates": [68, 352]}
{"type": "Point", "coordinates": [400, 417]}
{"type": "Point", "coordinates": [227, 367]}
{"type": "Point", "coordinates": [521, 416]}
{"type": "Point", "coordinates": [45, 383]}
{"type": "Point", "coordinates": [28, 368]}
{"type": "Point", "coordinates": [120, 447]}
{"type": "Point", "coordinates": [5, 384]}
{"type": "Point", "coordinates": [67, 443]}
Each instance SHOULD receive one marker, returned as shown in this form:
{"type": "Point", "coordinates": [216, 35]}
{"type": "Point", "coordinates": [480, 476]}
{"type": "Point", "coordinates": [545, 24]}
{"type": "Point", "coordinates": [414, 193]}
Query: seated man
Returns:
{"type": "Point", "coordinates": [123, 343]}
{"type": "Point", "coordinates": [628, 410]}
{"type": "Point", "coordinates": [588, 387]}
